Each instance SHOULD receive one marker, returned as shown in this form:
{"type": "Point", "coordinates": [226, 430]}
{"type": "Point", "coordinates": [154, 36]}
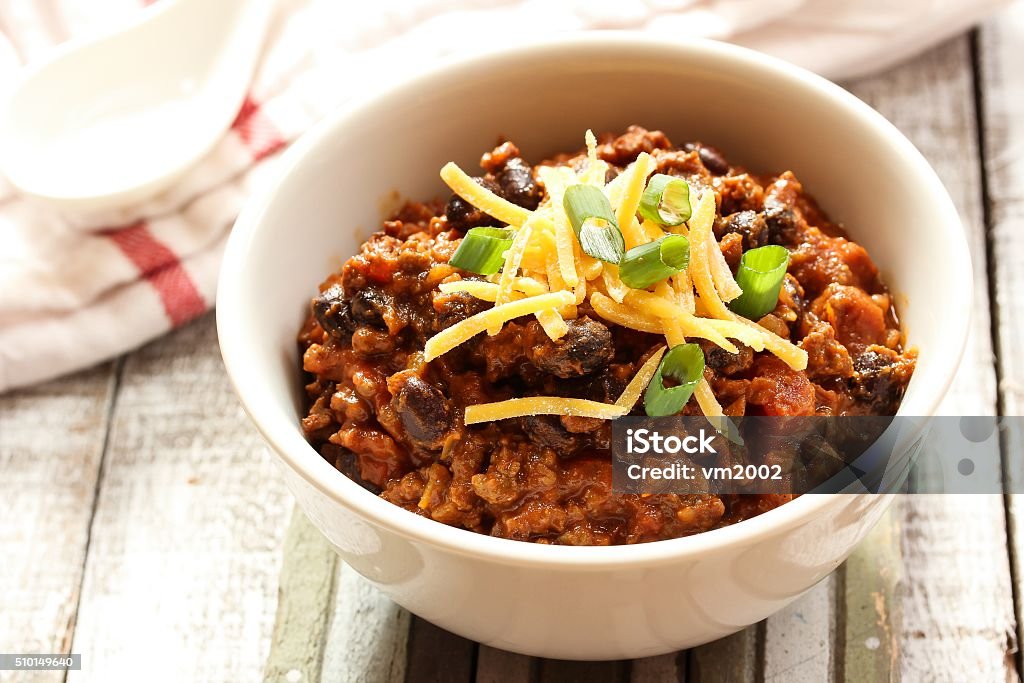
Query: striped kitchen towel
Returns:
{"type": "Point", "coordinates": [77, 290]}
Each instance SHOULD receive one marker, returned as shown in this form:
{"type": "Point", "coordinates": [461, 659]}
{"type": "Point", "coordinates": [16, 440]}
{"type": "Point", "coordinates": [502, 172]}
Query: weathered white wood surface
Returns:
{"type": "Point", "coordinates": [51, 445]}
{"type": "Point", "coordinates": [305, 601]}
{"type": "Point", "coordinates": [957, 621]}
{"type": "Point", "coordinates": [368, 633]}
{"type": "Point", "coordinates": [184, 558]}
{"type": "Point", "coordinates": [800, 640]}
{"type": "Point", "coordinates": [1001, 52]}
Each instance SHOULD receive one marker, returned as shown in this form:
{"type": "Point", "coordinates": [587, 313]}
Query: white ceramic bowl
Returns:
{"type": "Point", "coordinates": [570, 602]}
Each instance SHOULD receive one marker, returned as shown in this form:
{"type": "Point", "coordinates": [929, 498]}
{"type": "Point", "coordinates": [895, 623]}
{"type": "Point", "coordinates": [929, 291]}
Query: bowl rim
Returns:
{"type": "Point", "coordinates": [284, 438]}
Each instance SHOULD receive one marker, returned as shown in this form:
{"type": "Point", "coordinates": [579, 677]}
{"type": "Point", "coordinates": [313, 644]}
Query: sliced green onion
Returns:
{"type": "Point", "coordinates": [482, 250]}
{"type": "Point", "coordinates": [685, 365]}
{"type": "Point", "coordinates": [594, 222]}
{"type": "Point", "coordinates": [760, 277]}
{"type": "Point", "coordinates": [653, 262]}
{"type": "Point", "coordinates": [666, 200]}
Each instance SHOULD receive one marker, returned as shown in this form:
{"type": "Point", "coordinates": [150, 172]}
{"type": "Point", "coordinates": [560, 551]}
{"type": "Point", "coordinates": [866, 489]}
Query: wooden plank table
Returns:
{"type": "Point", "coordinates": [141, 520]}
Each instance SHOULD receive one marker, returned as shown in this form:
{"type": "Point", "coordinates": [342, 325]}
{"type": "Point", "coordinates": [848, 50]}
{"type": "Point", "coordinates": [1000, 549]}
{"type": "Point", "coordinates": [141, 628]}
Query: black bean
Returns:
{"type": "Point", "coordinates": [462, 215]}
{"type": "Point", "coordinates": [369, 306]}
{"type": "Point", "coordinates": [549, 432]}
{"type": "Point", "coordinates": [347, 462]}
{"type": "Point", "coordinates": [586, 347]}
{"type": "Point", "coordinates": [781, 222]}
{"type": "Point", "coordinates": [712, 159]}
{"type": "Point", "coordinates": [332, 312]}
{"type": "Point", "coordinates": [871, 361]}
{"type": "Point", "coordinates": [725, 363]}
{"type": "Point", "coordinates": [879, 378]}
{"type": "Point", "coordinates": [425, 413]}
{"type": "Point", "coordinates": [454, 307]}
{"type": "Point", "coordinates": [750, 225]}
{"type": "Point", "coordinates": [517, 185]}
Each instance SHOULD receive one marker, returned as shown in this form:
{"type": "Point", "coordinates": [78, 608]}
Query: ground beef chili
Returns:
{"type": "Point", "coordinates": [392, 422]}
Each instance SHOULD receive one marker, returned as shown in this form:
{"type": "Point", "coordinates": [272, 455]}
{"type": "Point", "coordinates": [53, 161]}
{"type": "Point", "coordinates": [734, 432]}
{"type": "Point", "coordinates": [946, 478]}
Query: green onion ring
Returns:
{"type": "Point", "coordinates": [684, 364]}
{"type": "Point", "coordinates": [482, 250]}
{"type": "Point", "coordinates": [653, 262]}
{"type": "Point", "coordinates": [666, 200]}
{"type": "Point", "coordinates": [594, 222]}
{"type": "Point", "coordinates": [760, 277]}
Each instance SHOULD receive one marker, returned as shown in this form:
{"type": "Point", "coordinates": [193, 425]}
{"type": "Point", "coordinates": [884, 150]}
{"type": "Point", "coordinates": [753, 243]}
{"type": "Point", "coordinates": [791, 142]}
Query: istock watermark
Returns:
{"type": "Point", "coordinates": [798, 455]}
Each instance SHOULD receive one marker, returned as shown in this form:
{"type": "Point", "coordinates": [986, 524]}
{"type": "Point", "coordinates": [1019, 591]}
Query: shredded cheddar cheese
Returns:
{"type": "Point", "coordinates": [547, 275]}
{"type": "Point", "coordinates": [631, 394]}
{"type": "Point", "coordinates": [482, 198]}
{"type": "Point", "coordinates": [700, 267]}
{"type": "Point", "coordinates": [459, 333]}
{"type": "Point", "coordinates": [542, 405]}
{"type": "Point", "coordinates": [709, 405]}
{"type": "Point", "coordinates": [630, 200]}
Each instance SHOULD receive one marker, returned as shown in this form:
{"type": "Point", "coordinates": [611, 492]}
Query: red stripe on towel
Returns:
{"type": "Point", "coordinates": [162, 268]}
{"type": "Point", "coordinates": [256, 131]}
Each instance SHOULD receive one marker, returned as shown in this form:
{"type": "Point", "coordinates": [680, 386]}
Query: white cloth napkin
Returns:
{"type": "Point", "coordinates": [71, 297]}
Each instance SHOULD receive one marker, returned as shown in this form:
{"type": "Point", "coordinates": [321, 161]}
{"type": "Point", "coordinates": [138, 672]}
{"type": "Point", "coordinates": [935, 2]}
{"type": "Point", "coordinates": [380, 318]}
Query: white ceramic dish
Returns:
{"type": "Point", "coordinates": [569, 602]}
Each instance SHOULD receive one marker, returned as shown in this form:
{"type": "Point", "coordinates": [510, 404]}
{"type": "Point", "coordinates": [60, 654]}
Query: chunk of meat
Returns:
{"type": "Point", "coordinates": [737, 193]}
{"type": "Point", "coordinates": [581, 425]}
{"type": "Point", "coordinates": [380, 458]}
{"type": "Point", "coordinates": [732, 249]}
{"type": "Point", "coordinates": [495, 160]}
{"type": "Point", "coordinates": [682, 165]}
{"type": "Point", "coordinates": [820, 261]}
{"type": "Point", "coordinates": [504, 354]}
{"type": "Point", "coordinates": [624, 149]}
{"type": "Point", "coordinates": [780, 390]}
{"type": "Point", "coordinates": [586, 347]}
{"type": "Point", "coordinates": [826, 356]}
{"type": "Point", "coordinates": [856, 318]}
{"type": "Point", "coordinates": [425, 413]}
{"type": "Point", "coordinates": [369, 341]}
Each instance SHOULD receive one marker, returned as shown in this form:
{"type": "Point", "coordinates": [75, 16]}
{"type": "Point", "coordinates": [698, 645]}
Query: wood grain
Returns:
{"type": "Point", "coordinates": [304, 605]}
{"type": "Point", "coordinates": [958, 620]}
{"type": "Point", "coordinates": [733, 659]}
{"type": "Point", "coordinates": [799, 641]}
{"type": "Point", "coordinates": [872, 606]}
{"type": "Point", "coordinates": [498, 666]}
{"type": "Point", "coordinates": [368, 635]}
{"type": "Point", "coordinates": [185, 557]}
{"type": "Point", "coordinates": [438, 656]}
{"type": "Point", "coordinates": [51, 445]}
{"type": "Point", "coordinates": [1001, 51]}
{"type": "Point", "coordinates": [661, 669]}
{"type": "Point", "coordinates": [565, 671]}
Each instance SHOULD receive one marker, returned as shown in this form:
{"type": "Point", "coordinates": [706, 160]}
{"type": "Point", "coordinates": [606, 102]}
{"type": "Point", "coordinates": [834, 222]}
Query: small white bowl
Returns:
{"type": "Point", "coordinates": [590, 602]}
